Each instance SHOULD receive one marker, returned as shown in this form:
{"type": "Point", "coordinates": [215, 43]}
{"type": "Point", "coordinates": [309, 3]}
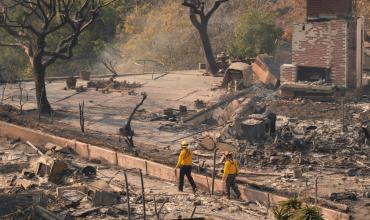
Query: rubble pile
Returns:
{"type": "Point", "coordinates": [306, 142]}
{"type": "Point", "coordinates": [263, 140]}
{"type": "Point", "coordinates": [106, 85]}
{"type": "Point", "coordinates": [51, 182]}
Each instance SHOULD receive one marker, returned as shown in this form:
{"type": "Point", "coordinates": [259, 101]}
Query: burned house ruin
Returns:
{"type": "Point", "coordinates": [327, 52]}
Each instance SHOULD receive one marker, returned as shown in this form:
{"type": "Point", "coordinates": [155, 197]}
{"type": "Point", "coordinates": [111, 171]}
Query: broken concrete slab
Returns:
{"type": "Point", "coordinates": [266, 70]}
{"type": "Point", "coordinates": [25, 183]}
{"type": "Point", "coordinates": [62, 189]}
{"type": "Point", "coordinates": [206, 114]}
{"type": "Point", "coordinates": [73, 196]}
{"type": "Point", "coordinates": [86, 212]}
{"type": "Point", "coordinates": [56, 148]}
{"type": "Point", "coordinates": [343, 196]}
{"type": "Point", "coordinates": [293, 89]}
{"type": "Point", "coordinates": [102, 193]}
{"type": "Point", "coordinates": [229, 111]}
{"type": "Point", "coordinates": [207, 143]}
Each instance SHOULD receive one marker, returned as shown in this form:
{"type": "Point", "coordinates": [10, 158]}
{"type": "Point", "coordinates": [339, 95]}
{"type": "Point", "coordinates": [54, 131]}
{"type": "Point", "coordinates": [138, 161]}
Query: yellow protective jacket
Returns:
{"type": "Point", "coordinates": [231, 167]}
{"type": "Point", "coordinates": [185, 158]}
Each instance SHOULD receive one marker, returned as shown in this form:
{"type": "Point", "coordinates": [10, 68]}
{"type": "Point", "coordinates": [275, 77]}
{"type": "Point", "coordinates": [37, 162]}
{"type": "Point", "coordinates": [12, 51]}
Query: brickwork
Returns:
{"type": "Point", "coordinates": [288, 73]}
{"type": "Point", "coordinates": [339, 51]}
{"type": "Point", "coordinates": [312, 44]}
{"type": "Point", "coordinates": [326, 45]}
{"type": "Point", "coordinates": [351, 58]}
{"type": "Point", "coordinates": [340, 8]}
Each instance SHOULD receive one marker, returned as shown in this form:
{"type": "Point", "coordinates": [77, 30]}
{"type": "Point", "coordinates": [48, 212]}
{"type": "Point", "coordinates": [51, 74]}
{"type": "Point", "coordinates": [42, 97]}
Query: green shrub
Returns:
{"type": "Point", "coordinates": [308, 213]}
{"type": "Point", "coordinates": [255, 33]}
{"type": "Point", "coordinates": [292, 209]}
{"type": "Point", "coordinates": [286, 209]}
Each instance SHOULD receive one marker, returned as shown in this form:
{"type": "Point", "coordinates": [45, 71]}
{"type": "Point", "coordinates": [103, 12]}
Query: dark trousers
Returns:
{"type": "Point", "coordinates": [186, 170]}
{"type": "Point", "coordinates": [230, 183]}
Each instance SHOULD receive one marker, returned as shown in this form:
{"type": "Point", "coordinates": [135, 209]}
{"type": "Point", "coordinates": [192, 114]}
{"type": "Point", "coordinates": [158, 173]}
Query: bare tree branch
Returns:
{"type": "Point", "coordinates": [194, 20]}
{"type": "Point", "coordinates": [199, 18]}
{"type": "Point", "coordinates": [214, 8]}
{"type": "Point", "coordinates": [4, 44]}
{"type": "Point", "coordinates": [197, 7]}
{"type": "Point", "coordinates": [29, 23]}
{"type": "Point", "coordinates": [110, 65]}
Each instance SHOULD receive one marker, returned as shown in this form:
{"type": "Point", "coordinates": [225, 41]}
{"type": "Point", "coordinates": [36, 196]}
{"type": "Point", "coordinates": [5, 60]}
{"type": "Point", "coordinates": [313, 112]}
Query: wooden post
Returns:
{"type": "Point", "coordinates": [81, 108]}
{"type": "Point", "coordinates": [192, 214]}
{"type": "Point", "coordinates": [35, 148]}
{"type": "Point", "coordinates": [209, 190]}
{"type": "Point", "coordinates": [144, 66]}
{"type": "Point", "coordinates": [155, 208]}
{"type": "Point", "coordinates": [316, 189]}
{"type": "Point", "coordinates": [127, 197]}
{"type": "Point", "coordinates": [160, 209]}
{"type": "Point", "coordinates": [343, 123]}
{"type": "Point", "coordinates": [268, 206]}
{"type": "Point", "coordinates": [214, 171]}
{"type": "Point", "coordinates": [146, 167]}
{"type": "Point", "coordinates": [143, 193]}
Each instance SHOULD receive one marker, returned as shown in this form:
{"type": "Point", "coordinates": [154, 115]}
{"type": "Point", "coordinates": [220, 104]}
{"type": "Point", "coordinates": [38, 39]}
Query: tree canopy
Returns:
{"type": "Point", "coordinates": [256, 31]}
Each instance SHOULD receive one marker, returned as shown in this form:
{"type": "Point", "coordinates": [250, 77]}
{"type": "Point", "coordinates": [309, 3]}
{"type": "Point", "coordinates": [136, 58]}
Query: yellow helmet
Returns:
{"type": "Point", "coordinates": [184, 143]}
{"type": "Point", "coordinates": [228, 154]}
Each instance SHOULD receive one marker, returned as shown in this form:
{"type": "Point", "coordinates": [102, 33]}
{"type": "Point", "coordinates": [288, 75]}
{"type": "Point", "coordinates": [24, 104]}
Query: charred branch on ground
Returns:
{"type": "Point", "coordinates": [127, 132]}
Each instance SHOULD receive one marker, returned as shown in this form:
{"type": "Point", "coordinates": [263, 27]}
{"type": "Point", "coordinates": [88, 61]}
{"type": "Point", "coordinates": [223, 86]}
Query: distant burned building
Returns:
{"type": "Point", "coordinates": [327, 51]}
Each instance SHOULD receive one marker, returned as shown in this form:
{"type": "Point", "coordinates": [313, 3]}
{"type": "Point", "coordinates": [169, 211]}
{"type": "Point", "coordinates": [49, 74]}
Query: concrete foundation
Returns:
{"type": "Point", "coordinates": [150, 168]}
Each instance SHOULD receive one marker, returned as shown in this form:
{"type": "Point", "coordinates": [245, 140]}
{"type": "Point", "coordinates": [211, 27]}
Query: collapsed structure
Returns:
{"type": "Point", "coordinates": [327, 51]}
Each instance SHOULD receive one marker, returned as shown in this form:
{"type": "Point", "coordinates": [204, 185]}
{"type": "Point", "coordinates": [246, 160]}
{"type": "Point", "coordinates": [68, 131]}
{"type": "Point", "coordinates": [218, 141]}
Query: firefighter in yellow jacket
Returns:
{"type": "Point", "coordinates": [231, 170]}
{"type": "Point", "coordinates": [185, 163]}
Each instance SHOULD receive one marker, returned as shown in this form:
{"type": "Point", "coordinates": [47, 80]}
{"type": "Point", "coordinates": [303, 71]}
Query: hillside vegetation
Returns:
{"type": "Point", "coordinates": [164, 33]}
{"type": "Point", "coordinates": [160, 30]}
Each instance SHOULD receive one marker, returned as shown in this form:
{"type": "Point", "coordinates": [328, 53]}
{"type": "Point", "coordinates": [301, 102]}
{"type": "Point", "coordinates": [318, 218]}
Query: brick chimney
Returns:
{"type": "Point", "coordinates": [326, 9]}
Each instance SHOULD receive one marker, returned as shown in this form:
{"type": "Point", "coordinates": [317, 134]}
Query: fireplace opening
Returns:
{"type": "Point", "coordinates": [313, 74]}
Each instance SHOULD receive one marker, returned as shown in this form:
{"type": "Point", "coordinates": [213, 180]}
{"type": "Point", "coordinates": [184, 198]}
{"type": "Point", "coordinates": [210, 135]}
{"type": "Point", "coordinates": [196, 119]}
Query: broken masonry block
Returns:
{"type": "Point", "coordinates": [102, 193]}
{"type": "Point", "coordinates": [51, 168]}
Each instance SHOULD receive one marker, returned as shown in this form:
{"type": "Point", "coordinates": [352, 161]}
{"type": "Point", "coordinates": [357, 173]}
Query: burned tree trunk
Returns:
{"type": "Point", "coordinates": [200, 19]}
{"type": "Point", "coordinates": [41, 97]}
{"type": "Point", "coordinates": [208, 51]}
{"type": "Point", "coordinates": [29, 24]}
{"type": "Point", "coordinates": [126, 132]}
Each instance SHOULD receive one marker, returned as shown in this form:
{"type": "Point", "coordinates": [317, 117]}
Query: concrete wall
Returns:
{"type": "Point", "coordinates": [150, 168]}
